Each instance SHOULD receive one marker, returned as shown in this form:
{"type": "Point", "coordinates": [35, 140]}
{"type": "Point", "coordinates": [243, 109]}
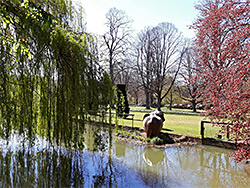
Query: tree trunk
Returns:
{"type": "Point", "coordinates": [194, 106]}
{"type": "Point", "coordinates": [171, 100]}
{"type": "Point", "coordinates": [111, 67]}
{"type": "Point", "coordinates": [147, 98]}
{"type": "Point", "coordinates": [159, 103]}
{"type": "Point", "coordinates": [136, 100]}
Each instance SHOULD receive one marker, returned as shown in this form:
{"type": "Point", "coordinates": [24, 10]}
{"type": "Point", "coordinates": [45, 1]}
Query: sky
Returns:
{"type": "Point", "coordinates": [143, 13]}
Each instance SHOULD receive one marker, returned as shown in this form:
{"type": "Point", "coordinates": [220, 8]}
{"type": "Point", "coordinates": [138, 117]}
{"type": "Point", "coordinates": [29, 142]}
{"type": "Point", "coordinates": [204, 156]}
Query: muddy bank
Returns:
{"type": "Point", "coordinates": [166, 139]}
{"type": "Point", "coordinates": [138, 142]}
{"type": "Point", "coordinates": [170, 139]}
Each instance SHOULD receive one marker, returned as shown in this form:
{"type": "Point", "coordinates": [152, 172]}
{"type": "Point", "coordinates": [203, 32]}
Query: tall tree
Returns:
{"type": "Point", "coordinates": [222, 42]}
{"type": "Point", "coordinates": [116, 39]}
{"type": "Point", "coordinates": [167, 57]}
{"type": "Point", "coordinates": [159, 56]}
{"type": "Point", "coordinates": [48, 75]}
{"type": "Point", "coordinates": [190, 89]}
{"type": "Point", "coordinates": [134, 86]}
{"type": "Point", "coordinates": [144, 51]}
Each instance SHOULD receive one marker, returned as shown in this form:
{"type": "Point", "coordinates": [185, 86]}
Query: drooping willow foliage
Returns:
{"type": "Point", "coordinates": [49, 72]}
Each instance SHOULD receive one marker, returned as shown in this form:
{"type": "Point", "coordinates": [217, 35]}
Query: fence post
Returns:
{"type": "Point", "coordinates": [202, 131]}
{"type": "Point", "coordinates": [228, 132]}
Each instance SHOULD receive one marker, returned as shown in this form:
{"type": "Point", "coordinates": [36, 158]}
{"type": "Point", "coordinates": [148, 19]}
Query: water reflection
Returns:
{"type": "Point", "coordinates": [152, 156]}
{"type": "Point", "coordinates": [44, 165]}
{"type": "Point", "coordinates": [38, 165]}
{"type": "Point", "coordinates": [100, 163]}
{"type": "Point", "coordinates": [199, 166]}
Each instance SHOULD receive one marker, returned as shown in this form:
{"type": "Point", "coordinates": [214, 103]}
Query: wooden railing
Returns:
{"type": "Point", "coordinates": [203, 128]}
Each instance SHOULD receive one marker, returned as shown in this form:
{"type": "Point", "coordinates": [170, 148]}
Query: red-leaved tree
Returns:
{"type": "Point", "coordinates": [223, 47]}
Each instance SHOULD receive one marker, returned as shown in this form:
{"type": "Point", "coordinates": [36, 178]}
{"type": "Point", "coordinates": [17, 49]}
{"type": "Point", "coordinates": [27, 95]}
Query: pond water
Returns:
{"type": "Point", "coordinates": [120, 164]}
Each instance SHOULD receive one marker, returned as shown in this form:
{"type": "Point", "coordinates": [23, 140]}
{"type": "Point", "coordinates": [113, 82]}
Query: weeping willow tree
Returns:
{"type": "Point", "coordinates": [49, 72]}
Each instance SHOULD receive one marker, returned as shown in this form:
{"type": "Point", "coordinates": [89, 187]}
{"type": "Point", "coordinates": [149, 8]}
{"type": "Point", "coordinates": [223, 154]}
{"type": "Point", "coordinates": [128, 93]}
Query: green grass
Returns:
{"type": "Point", "coordinates": [188, 125]}
{"type": "Point", "coordinates": [184, 124]}
{"type": "Point", "coordinates": [176, 123]}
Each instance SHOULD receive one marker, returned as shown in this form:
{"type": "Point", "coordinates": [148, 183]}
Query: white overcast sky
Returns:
{"type": "Point", "coordinates": [143, 13]}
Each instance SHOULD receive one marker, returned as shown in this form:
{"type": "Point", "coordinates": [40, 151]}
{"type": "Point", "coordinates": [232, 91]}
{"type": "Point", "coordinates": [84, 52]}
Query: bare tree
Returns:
{"type": "Point", "coordinates": [189, 91]}
{"type": "Point", "coordinates": [167, 56]}
{"type": "Point", "coordinates": [134, 86]}
{"type": "Point", "coordinates": [159, 56]}
{"type": "Point", "coordinates": [172, 96]}
{"type": "Point", "coordinates": [123, 70]}
{"type": "Point", "coordinates": [116, 39]}
{"type": "Point", "coordinates": [144, 51]}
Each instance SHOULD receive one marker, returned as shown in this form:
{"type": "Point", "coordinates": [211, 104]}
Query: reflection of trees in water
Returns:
{"type": "Point", "coordinates": [154, 159]}
{"type": "Point", "coordinates": [106, 172]}
{"type": "Point", "coordinates": [185, 166]}
{"type": "Point", "coordinates": [45, 168]}
{"type": "Point", "coordinates": [33, 164]}
{"type": "Point", "coordinates": [208, 166]}
{"type": "Point", "coordinates": [139, 158]}
{"type": "Point", "coordinates": [96, 138]}
{"type": "Point", "coordinates": [111, 173]}
{"type": "Point", "coordinates": [39, 164]}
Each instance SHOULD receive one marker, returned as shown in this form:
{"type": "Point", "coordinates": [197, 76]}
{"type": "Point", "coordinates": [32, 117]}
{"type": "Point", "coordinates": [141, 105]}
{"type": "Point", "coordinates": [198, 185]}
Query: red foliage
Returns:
{"type": "Point", "coordinates": [223, 47]}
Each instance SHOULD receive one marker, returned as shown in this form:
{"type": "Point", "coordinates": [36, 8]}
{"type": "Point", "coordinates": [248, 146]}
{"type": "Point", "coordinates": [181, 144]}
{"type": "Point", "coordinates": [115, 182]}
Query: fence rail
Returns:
{"type": "Point", "coordinates": [203, 128]}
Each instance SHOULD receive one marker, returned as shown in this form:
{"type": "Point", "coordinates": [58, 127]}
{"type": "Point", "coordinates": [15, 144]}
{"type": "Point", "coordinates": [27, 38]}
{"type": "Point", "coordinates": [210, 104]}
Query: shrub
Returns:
{"type": "Point", "coordinates": [156, 141]}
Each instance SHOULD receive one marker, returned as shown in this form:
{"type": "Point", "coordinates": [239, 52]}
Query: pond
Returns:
{"type": "Point", "coordinates": [102, 164]}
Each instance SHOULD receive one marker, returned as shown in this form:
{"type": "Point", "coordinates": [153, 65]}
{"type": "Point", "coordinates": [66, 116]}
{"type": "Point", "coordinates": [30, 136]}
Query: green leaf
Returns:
{"type": "Point", "coordinates": [4, 25]}
{"type": "Point", "coordinates": [29, 55]}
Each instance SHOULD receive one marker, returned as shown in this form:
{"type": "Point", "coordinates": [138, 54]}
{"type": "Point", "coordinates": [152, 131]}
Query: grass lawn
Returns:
{"type": "Point", "coordinates": [187, 125]}
{"type": "Point", "coordinates": [175, 123]}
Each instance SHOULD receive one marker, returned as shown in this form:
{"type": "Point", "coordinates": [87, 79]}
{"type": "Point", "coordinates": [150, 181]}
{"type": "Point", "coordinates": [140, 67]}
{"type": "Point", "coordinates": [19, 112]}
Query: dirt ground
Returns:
{"type": "Point", "coordinates": [178, 140]}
